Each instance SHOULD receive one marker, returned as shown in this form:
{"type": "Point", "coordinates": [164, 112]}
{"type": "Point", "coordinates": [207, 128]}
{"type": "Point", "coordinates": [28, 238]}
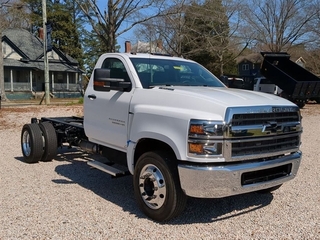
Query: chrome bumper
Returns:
{"type": "Point", "coordinates": [214, 181]}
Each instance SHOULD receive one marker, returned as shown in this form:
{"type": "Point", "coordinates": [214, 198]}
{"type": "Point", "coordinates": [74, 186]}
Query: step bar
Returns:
{"type": "Point", "coordinates": [107, 169]}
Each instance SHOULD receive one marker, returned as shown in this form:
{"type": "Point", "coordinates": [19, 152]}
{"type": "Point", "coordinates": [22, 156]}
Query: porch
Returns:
{"type": "Point", "coordinates": [27, 84]}
{"type": "Point", "coordinates": [20, 91]}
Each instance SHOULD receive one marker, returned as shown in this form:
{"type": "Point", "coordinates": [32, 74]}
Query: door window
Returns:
{"type": "Point", "coordinates": [117, 68]}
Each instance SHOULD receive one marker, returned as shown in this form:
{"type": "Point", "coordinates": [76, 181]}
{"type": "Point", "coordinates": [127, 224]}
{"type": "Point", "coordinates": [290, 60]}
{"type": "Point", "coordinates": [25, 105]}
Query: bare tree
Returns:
{"type": "Point", "coordinates": [313, 49]}
{"type": "Point", "coordinates": [230, 40]}
{"type": "Point", "coordinates": [279, 24]}
{"type": "Point", "coordinates": [167, 28]}
{"type": "Point", "coordinates": [175, 32]}
{"type": "Point", "coordinates": [109, 23]}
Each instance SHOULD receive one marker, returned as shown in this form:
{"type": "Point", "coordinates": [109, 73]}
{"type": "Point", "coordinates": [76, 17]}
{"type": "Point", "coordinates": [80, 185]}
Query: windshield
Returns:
{"type": "Point", "coordinates": [153, 72]}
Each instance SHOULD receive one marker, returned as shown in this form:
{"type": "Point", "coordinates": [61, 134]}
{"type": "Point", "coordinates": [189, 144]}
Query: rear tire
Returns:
{"type": "Point", "coordinates": [31, 143]}
{"type": "Point", "coordinates": [50, 141]}
{"type": "Point", "coordinates": [157, 186]}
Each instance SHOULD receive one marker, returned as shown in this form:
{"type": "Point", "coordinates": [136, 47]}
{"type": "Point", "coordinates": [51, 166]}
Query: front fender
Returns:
{"type": "Point", "coordinates": [170, 130]}
{"type": "Point", "coordinates": [147, 135]}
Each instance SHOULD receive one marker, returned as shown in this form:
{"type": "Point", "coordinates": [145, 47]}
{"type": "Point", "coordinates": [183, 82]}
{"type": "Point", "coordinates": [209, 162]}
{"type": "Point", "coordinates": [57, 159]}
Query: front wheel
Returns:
{"type": "Point", "coordinates": [157, 186]}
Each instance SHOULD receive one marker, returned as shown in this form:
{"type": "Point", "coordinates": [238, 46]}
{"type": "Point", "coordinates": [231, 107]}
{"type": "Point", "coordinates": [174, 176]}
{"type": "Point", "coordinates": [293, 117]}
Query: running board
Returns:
{"type": "Point", "coordinates": [108, 169]}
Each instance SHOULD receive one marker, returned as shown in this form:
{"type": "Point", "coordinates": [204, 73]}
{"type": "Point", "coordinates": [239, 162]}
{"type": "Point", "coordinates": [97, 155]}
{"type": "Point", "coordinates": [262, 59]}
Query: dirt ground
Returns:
{"type": "Point", "coordinates": [10, 116]}
{"type": "Point", "coordinates": [66, 199]}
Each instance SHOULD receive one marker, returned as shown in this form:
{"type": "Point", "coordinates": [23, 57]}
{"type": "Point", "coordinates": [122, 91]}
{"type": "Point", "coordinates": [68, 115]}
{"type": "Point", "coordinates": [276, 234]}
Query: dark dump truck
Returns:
{"type": "Point", "coordinates": [297, 83]}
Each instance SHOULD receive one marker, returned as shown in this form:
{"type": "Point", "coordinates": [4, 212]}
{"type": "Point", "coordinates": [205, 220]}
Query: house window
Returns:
{"type": "Point", "coordinates": [59, 78]}
{"type": "Point", "coordinates": [245, 67]}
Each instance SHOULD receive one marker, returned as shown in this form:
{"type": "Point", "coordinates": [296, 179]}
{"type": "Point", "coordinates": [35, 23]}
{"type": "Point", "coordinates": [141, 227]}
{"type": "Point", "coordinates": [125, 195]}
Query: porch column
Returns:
{"type": "Point", "coordinates": [52, 82]}
{"type": "Point", "coordinates": [67, 81]}
{"type": "Point", "coordinates": [77, 77]}
{"type": "Point", "coordinates": [30, 76]}
{"type": "Point", "coordinates": [11, 79]}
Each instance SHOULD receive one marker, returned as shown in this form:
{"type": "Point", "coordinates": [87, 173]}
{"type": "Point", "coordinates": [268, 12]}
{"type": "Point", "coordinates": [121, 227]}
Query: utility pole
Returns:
{"type": "Point", "coordinates": [3, 96]}
{"type": "Point", "coordinates": [45, 56]}
{"type": "Point", "coordinates": [2, 90]}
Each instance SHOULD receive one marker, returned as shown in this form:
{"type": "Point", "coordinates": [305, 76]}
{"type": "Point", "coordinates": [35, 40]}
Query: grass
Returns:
{"type": "Point", "coordinates": [75, 101]}
{"type": "Point", "coordinates": [53, 101]}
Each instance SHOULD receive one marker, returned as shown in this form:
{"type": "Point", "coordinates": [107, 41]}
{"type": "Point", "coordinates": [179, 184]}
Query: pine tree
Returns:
{"type": "Point", "coordinates": [206, 36]}
{"type": "Point", "coordinates": [65, 35]}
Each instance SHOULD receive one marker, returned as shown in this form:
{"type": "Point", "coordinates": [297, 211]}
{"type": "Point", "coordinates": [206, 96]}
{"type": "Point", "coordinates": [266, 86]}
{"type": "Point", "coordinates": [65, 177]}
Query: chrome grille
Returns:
{"type": "Point", "coordinates": [260, 118]}
{"type": "Point", "coordinates": [261, 132]}
{"type": "Point", "coordinates": [261, 146]}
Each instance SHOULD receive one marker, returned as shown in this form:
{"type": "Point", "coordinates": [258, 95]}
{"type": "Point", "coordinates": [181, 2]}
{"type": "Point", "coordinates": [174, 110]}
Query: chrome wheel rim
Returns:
{"type": "Point", "coordinates": [26, 143]}
{"type": "Point", "coordinates": [152, 186]}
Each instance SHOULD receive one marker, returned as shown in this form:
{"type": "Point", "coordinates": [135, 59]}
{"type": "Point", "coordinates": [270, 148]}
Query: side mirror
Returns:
{"type": "Point", "coordinates": [104, 80]}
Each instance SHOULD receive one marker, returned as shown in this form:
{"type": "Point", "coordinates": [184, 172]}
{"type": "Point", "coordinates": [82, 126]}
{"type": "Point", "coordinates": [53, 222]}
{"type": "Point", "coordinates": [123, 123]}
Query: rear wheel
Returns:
{"type": "Point", "coordinates": [50, 141]}
{"type": "Point", "coordinates": [31, 143]}
{"type": "Point", "coordinates": [157, 187]}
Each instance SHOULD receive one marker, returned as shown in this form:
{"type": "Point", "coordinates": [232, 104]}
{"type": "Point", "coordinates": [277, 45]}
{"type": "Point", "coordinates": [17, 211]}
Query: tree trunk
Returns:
{"type": "Point", "coordinates": [112, 26]}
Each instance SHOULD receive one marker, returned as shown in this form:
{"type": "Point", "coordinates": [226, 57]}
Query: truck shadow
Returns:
{"type": "Point", "coordinates": [120, 192]}
{"type": "Point", "coordinates": [220, 209]}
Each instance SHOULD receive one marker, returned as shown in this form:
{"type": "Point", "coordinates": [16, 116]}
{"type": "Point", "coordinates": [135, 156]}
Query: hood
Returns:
{"type": "Point", "coordinates": [207, 100]}
{"type": "Point", "coordinates": [230, 96]}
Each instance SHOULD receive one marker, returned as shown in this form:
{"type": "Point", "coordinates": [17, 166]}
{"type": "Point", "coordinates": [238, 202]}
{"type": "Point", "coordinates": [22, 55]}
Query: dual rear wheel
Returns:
{"type": "Point", "coordinates": [38, 142]}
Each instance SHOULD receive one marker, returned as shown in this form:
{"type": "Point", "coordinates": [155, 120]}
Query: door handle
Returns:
{"type": "Point", "coordinates": [92, 96]}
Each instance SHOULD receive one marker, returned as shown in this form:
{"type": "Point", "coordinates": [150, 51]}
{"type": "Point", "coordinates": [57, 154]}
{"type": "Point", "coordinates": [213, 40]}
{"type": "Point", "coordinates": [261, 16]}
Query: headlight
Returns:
{"type": "Point", "coordinates": [205, 148]}
{"type": "Point", "coordinates": [205, 138]}
{"type": "Point", "coordinates": [206, 129]}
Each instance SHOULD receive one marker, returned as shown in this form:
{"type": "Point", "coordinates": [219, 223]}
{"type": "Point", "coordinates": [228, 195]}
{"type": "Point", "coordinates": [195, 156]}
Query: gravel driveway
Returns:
{"type": "Point", "coordinates": [66, 199]}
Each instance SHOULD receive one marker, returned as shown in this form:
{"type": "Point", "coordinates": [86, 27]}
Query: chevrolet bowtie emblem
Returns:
{"type": "Point", "coordinates": [270, 126]}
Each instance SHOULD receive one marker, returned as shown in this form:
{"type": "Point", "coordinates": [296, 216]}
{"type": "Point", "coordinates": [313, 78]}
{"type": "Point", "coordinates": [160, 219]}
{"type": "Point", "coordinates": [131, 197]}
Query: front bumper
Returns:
{"type": "Point", "coordinates": [215, 181]}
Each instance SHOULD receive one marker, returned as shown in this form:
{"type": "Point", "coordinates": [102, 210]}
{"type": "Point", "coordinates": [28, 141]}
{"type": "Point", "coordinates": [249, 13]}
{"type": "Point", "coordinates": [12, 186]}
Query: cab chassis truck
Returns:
{"type": "Point", "coordinates": [177, 129]}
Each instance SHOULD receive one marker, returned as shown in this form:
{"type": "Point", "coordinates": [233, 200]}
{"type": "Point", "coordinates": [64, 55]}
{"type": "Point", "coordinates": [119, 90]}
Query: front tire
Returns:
{"type": "Point", "coordinates": [157, 186]}
{"type": "Point", "coordinates": [31, 143]}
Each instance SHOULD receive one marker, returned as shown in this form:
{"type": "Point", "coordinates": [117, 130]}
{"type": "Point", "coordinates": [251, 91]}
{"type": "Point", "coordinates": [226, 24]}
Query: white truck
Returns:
{"type": "Point", "coordinates": [177, 129]}
{"type": "Point", "coordinates": [261, 84]}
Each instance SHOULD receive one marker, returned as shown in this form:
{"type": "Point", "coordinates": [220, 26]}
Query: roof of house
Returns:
{"type": "Point", "coordinates": [30, 48]}
{"type": "Point", "coordinates": [253, 57]}
{"type": "Point", "coordinates": [149, 47]}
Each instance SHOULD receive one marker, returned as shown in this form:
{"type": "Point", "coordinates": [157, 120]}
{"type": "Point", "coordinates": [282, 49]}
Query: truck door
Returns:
{"type": "Point", "coordinates": [106, 113]}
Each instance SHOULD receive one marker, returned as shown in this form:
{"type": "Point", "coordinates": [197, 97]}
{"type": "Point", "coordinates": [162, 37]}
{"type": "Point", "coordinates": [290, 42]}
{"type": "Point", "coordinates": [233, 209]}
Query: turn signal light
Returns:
{"type": "Point", "coordinates": [196, 148]}
{"type": "Point", "coordinates": [196, 129]}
